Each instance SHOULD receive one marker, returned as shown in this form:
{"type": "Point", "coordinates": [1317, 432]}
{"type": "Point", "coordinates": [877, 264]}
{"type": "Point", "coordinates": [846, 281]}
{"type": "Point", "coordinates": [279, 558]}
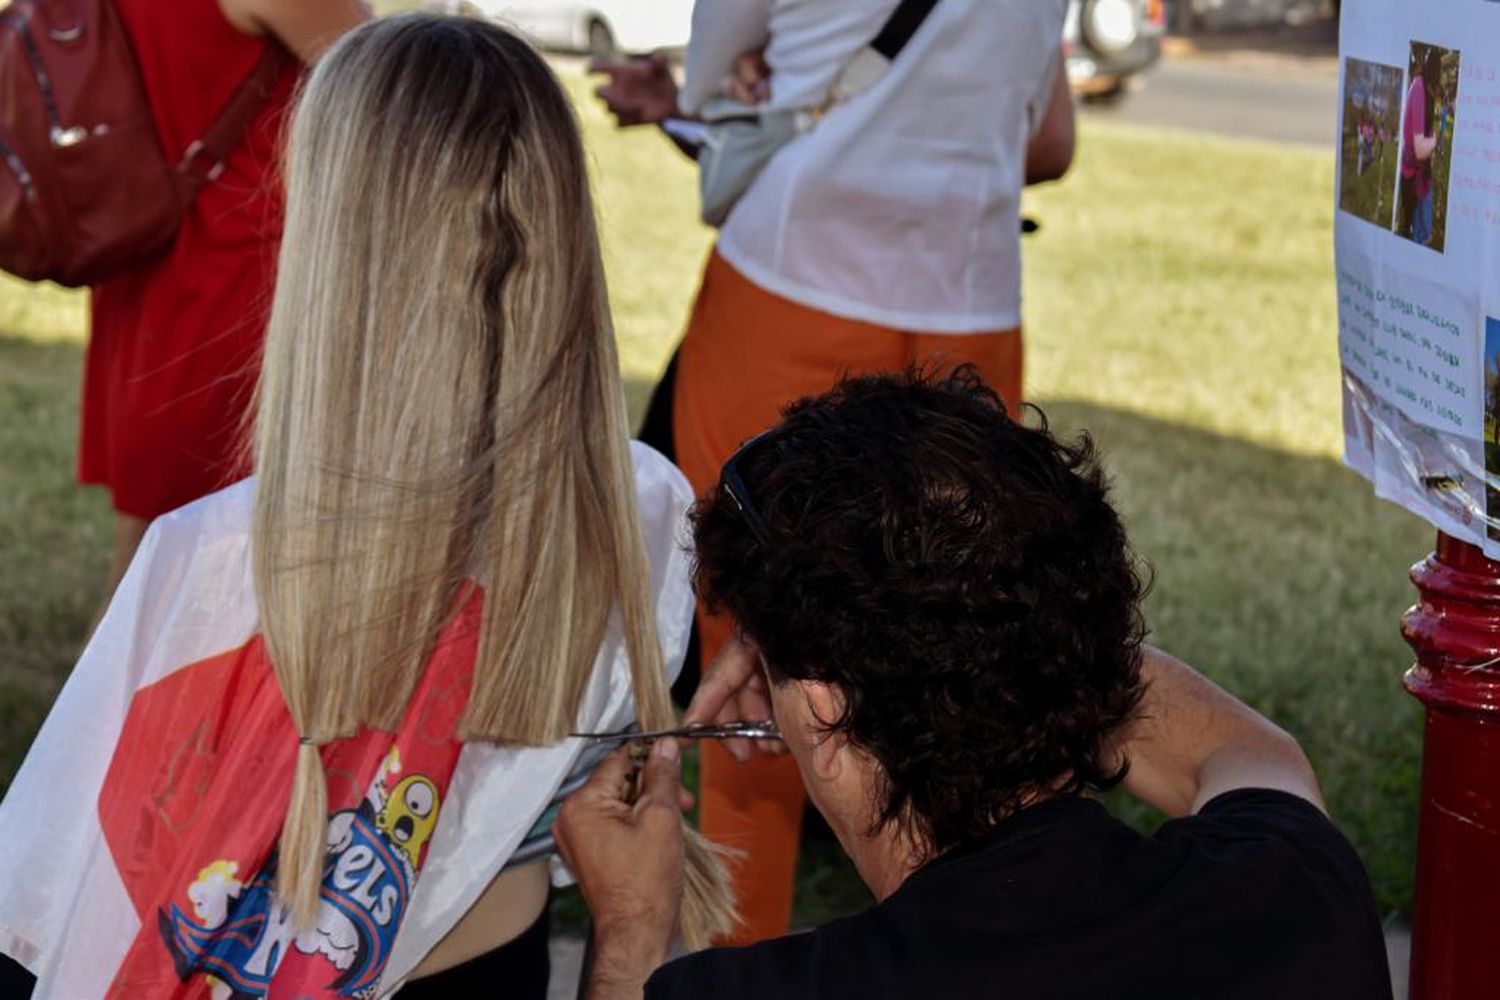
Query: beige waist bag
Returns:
{"type": "Point", "coordinates": [741, 140]}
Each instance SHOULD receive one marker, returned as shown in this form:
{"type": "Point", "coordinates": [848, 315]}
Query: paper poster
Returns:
{"type": "Point", "coordinates": [1416, 234]}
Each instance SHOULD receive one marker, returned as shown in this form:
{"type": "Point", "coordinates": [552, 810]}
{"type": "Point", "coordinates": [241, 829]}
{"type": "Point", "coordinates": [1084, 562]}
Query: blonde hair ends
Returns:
{"type": "Point", "coordinates": [440, 407]}
{"type": "Point", "coordinates": [303, 834]}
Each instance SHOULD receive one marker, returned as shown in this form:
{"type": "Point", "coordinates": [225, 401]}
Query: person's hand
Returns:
{"type": "Point", "coordinates": [628, 862]}
{"type": "Point", "coordinates": [733, 689]}
{"type": "Point", "coordinates": [638, 91]}
{"type": "Point", "coordinates": [750, 80]}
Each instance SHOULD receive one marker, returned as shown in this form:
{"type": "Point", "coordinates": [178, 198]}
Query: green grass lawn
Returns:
{"type": "Point", "coordinates": [1180, 305]}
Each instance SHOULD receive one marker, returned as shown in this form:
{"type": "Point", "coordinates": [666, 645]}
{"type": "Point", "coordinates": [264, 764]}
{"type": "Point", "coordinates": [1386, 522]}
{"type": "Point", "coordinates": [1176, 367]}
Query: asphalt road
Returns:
{"type": "Point", "coordinates": [1263, 102]}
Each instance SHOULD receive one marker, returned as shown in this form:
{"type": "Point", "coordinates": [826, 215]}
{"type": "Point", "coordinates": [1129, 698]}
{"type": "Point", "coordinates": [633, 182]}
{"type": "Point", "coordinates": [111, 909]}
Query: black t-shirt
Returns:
{"type": "Point", "coordinates": [1258, 896]}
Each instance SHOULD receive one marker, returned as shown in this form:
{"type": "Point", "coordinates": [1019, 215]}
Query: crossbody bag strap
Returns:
{"type": "Point", "coordinates": [903, 23]}
{"type": "Point", "coordinates": [871, 62]}
{"type": "Point", "coordinates": [204, 159]}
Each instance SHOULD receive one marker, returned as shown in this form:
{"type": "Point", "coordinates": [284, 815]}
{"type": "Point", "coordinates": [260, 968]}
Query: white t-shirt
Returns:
{"type": "Point", "coordinates": [902, 206]}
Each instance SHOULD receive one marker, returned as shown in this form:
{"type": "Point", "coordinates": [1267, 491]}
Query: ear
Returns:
{"type": "Point", "coordinates": [825, 704]}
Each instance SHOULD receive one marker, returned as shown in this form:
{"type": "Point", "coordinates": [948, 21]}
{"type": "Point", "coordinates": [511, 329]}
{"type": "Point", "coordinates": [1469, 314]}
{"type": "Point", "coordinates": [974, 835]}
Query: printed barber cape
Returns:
{"type": "Point", "coordinates": [140, 833]}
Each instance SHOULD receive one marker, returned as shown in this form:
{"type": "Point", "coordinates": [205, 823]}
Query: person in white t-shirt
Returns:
{"type": "Point", "coordinates": [886, 236]}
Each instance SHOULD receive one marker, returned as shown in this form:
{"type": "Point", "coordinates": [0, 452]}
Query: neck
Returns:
{"type": "Point", "coordinates": [889, 858]}
{"type": "Point", "coordinates": [884, 861]}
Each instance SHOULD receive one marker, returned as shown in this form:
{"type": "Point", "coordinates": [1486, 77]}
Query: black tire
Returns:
{"type": "Point", "coordinates": [601, 41]}
{"type": "Point", "coordinates": [1108, 95]}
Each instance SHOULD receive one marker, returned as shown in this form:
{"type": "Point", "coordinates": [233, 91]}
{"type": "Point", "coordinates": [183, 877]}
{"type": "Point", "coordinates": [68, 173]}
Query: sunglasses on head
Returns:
{"type": "Point", "coordinates": [732, 485]}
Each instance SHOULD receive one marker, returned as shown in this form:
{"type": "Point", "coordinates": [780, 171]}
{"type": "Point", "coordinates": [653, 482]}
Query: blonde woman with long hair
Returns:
{"type": "Point", "coordinates": [311, 749]}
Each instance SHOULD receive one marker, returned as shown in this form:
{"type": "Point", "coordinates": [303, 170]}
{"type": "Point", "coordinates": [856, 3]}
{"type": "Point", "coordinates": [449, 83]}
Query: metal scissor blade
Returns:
{"type": "Point", "coordinates": [762, 730]}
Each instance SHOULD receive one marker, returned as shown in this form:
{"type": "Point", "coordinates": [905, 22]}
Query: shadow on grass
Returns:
{"type": "Point", "coordinates": [1283, 578]}
{"type": "Point", "coordinates": [1277, 574]}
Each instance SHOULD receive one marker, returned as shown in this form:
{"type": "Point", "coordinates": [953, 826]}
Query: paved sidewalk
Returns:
{"type": "Point", "coordinates": [567, 960]}
{"type": "Point", "coordinates": [1311, 51]}
{"type": "Point", "coordinates": [1242, 102]}
{"type": "Point", "coordinates": [1398, 949]}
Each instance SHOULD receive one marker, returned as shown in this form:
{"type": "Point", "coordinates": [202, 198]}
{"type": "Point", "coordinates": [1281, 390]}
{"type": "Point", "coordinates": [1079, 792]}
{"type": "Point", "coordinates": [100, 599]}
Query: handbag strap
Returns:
{"type": "Point", "coordinates": [204, 159]}
{"type": "Point", "coordinates": [903, 23]}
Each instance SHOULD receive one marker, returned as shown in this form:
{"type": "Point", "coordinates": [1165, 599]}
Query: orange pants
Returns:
{"type": "Point", "coordinates": [746, 355]}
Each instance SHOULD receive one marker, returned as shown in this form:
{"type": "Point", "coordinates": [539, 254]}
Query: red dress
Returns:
{"type": "Point", "coordinates": [174, 349]}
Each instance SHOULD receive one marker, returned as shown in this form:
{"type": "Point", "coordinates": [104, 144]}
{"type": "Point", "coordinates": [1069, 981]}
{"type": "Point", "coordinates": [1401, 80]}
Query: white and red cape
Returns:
{"type": "Point", "coordinates": [140, 832]}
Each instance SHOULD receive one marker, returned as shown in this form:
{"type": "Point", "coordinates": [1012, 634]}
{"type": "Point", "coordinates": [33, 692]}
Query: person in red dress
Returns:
{"type": "Point", "coordinates": [174, 344]}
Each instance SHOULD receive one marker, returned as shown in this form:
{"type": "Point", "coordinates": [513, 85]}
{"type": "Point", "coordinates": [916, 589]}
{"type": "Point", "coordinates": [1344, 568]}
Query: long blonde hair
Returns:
{"type": "Point", "coordinates": [440, 408]}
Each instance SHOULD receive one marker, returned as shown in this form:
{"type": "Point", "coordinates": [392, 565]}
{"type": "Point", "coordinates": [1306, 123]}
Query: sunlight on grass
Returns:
{"type": "Point", "coordinates": [654, 245]}
{"type": "Point", "coordinates": [1190, 278]}
{"type": "Point", "coordinates": [41, 313]}
{"type": "Point", "coordinates": [1179, 304]}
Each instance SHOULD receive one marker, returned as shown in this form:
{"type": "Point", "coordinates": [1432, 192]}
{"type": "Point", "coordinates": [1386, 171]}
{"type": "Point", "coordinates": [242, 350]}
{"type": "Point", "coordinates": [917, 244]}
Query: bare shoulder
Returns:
{"type": "Point", "coordinates": [307, 27]}
{"type": "Point", "coordinates": [240, 14]}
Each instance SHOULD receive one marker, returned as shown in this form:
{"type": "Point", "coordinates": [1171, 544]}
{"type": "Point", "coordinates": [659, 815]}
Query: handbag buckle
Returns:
{"type": "Point", "coordinates": [195, 152]}
{"type": "Point", "coordinates": [859, 74]}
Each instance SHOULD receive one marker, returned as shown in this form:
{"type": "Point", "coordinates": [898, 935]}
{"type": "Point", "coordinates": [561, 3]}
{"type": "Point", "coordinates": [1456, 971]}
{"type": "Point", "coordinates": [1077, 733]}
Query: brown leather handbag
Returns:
{"type": "Point", "coordinates": [86, 190]}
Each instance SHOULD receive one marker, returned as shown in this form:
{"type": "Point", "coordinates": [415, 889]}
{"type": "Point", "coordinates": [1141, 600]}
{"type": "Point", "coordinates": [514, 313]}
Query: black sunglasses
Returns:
{"type": "Point", "coordinates": [732, 485]}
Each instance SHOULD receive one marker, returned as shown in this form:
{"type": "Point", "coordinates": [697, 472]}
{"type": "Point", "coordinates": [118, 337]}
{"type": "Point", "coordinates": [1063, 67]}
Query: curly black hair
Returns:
{"type": "Point", "coordinates": [959, 576]}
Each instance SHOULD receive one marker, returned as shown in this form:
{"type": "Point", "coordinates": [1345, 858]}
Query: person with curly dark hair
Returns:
{"type": "Point", "coordinates": [941, 611]}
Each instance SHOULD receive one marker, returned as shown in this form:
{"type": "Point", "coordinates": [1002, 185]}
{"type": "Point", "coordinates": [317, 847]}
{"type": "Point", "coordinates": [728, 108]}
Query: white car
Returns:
{"type": "Point", "coordinates": [1109, 41]}
{"type": "Point", "coordinates": [599, 27]}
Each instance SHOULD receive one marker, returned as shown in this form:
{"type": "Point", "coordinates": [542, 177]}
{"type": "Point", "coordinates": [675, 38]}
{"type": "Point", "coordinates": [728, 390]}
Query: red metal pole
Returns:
{"type": "Point", "coordinates": [1455, 630]}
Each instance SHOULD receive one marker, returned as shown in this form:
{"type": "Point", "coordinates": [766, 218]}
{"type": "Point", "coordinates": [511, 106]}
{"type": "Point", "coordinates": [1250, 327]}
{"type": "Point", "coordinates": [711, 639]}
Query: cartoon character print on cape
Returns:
{"type": "Point", "coordinates": [237, 934]}
{"type": "Point", "coordinates": [192, 809]}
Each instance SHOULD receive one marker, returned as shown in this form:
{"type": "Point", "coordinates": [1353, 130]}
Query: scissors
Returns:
{"type": "Point", "coordinates": [762, 730]}
{"type": "Point", "coordinates": [640, 747]}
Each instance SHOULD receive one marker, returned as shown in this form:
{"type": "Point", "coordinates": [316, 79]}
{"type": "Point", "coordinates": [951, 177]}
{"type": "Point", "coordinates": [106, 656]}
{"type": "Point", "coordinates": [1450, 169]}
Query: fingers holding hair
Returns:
{"type": "Point", "coordinates": [734, 688]}
{"type": "Point", "coordinates": [661, 777]}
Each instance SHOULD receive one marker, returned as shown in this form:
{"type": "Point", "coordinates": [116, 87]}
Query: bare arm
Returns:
{"type": "Point", "coordinates": [307, 27]}
{"type": "Point", "coordinates": [1050, 152]}
{"type": "Point", "coordinates": [1194, 741]}
{"type": "Point", "coordinates": [1424, 146]}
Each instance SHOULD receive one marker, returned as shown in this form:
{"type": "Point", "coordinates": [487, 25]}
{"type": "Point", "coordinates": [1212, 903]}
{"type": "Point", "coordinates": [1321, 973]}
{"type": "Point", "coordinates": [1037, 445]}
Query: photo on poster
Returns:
{"type": "Point", "coordinates": [1427, 124]}
{"type": "Point", "coordinates": [1370, 142]}
{"type": "Point", "coordinates": [1492, 425]}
